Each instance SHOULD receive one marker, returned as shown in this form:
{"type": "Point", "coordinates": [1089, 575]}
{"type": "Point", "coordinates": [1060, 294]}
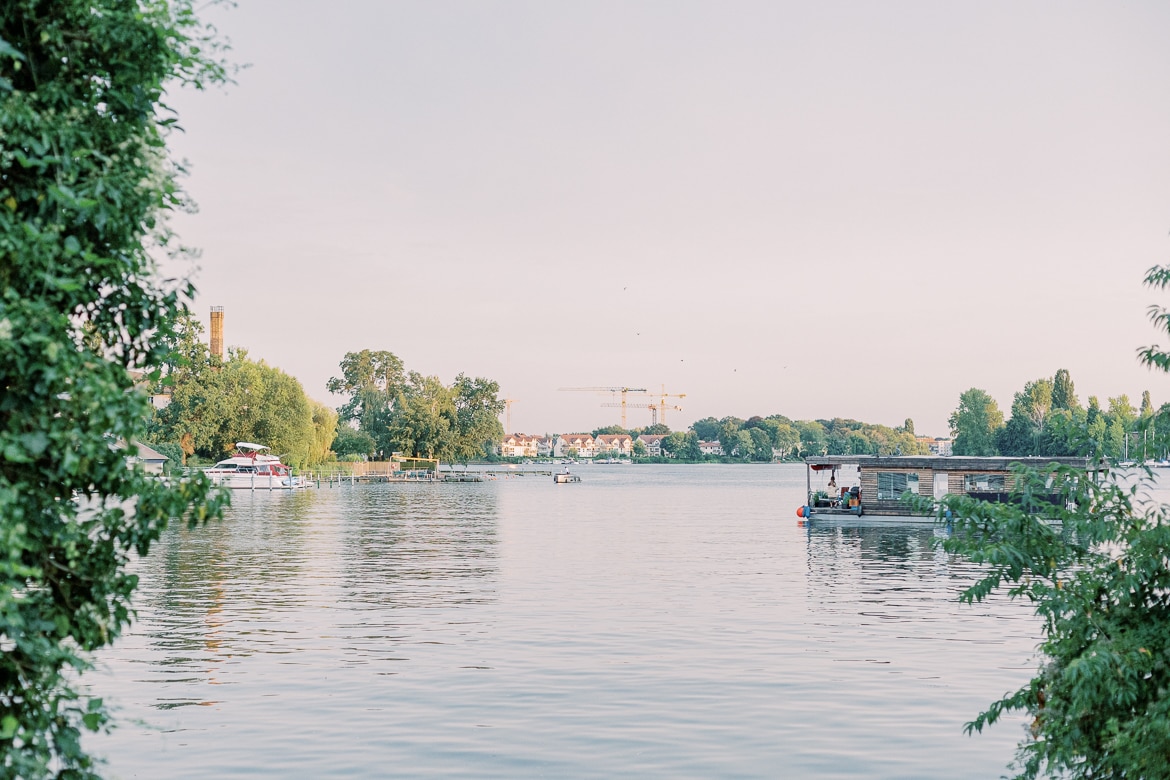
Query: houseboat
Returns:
{"type": "Point", "coordinates": [849, 486]}
{"type": "Point", "coordinates": [249, 468]}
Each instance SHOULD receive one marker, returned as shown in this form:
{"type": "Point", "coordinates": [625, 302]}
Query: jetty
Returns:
{"type": "Point", "coordinates": [381, 472]}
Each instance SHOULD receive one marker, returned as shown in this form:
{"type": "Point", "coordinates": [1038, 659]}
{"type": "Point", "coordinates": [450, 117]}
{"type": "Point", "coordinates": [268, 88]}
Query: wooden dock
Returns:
{"type": "Point", "coordinates": [338, 479]}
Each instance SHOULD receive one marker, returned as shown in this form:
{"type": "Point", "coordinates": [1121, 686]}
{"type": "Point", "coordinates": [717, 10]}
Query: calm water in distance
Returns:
{"type": "Point", "coordinates": [651, 621]}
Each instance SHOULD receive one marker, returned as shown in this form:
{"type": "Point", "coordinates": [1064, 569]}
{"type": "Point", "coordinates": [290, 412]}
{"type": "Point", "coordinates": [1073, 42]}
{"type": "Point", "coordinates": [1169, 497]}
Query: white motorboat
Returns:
{"type": "Point", "coordinates": [251, 469]}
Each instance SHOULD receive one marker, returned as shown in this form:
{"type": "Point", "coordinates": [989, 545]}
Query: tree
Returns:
{"type": "Point", "coordinates": [975, 422]}
{"type": "Point", "coordinates": [729, 430]}
{"type": "Point", "coordinates": [610, 430]}
{"type": "Point", "coordinates": [477, 417]}
{"type": "Point", "coordinates": [244, 400]}
{"type": "Point", "coordinates": [706, 429]}
{"type": "Point", "coordinates": [674, 443]}
{"type": "Point", "coordinates": [1093, 564]}
{"type": "Point", "coordinates": [85, 192]}
{"type": "Point", "coordinates": [424, 419]}
{"type": "Point", "coordinates": [372, 381]}
{"type": "Point", "coordinates": [761, 447]}
{"type": "Point", "coordinates": [1064, 394]}
{"type": "Point", "coordinates": [351, 441]}
{"type": "Point", "coordinates": [324, 432]}
{"type": "Point", "coordinates": [639, 449]}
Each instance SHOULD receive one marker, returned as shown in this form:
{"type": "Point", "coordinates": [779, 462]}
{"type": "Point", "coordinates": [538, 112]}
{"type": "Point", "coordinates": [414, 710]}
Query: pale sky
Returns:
{"type": "Point", "coordinates": [818, 209]}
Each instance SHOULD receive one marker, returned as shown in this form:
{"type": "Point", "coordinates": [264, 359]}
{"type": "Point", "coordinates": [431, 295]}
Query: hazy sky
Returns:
{"type": "Point", "coordinates": [855, 209]}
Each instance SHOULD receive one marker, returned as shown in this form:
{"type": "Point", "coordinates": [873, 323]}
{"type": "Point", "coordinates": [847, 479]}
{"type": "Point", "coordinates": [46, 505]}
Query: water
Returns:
{"type": "Point", "coordinates": [649, 621]}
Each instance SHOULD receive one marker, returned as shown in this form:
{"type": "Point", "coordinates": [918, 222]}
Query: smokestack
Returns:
{"type": "Point", "coordinates": [217, 332]}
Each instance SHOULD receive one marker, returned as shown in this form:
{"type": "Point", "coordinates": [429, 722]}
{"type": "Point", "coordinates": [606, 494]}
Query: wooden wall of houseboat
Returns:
{"type": "Point", "coordinates": [869, 487]}
{"type": "Point", "coordinates": [955, 484]}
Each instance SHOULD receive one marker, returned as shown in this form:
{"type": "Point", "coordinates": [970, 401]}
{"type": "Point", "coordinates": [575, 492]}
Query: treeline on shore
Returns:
{"type": "Point", "coordinates": [212, 403]}
{"type": "Point", "coordinates": [775, 437]}
{"type": "Point", "coordinates": [1047, 419]}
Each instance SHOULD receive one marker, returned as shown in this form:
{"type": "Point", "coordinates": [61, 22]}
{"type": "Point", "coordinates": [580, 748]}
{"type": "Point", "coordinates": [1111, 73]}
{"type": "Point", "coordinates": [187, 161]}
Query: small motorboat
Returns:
{"type": "Point", "coordinates": [565, 478]}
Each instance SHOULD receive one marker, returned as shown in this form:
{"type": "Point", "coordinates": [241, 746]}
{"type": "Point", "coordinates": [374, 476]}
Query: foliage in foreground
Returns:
{"type": "Point", "coordinates": [1093, 558]}
{"type": "Point", "coordinates": [85, 186]}
{"type": "Point", "coordinates": [1094, 566]}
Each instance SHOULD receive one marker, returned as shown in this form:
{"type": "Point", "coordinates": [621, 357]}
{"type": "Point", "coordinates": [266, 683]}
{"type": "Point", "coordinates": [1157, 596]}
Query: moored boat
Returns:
{"type": "Point", "coordinates": [565, 478]}
{"type": "Point", "coordinates": [850, 486]}
{"type": "Point", "coordinates": [249, 468]}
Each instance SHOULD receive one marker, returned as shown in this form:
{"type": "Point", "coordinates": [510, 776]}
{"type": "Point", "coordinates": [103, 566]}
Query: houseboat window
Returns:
{"type": "Point", "coordinates": [892, 484]}
{"type": "Point", "coordinates": [983, 483]}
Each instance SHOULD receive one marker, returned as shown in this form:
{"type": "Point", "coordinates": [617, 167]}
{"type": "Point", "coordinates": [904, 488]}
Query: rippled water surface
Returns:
{"type": "Point", "coordinates": [649, 621]}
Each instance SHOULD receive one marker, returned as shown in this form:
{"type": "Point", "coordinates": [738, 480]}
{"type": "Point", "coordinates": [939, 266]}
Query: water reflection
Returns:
{"type": "Point", "coordinates": [295, 574]}
{"type": "Point", "coordinates": [420, 546]}
{"type": "Point", "coordinates": [651, 621]}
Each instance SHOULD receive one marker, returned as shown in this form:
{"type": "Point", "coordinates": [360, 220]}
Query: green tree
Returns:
{"type": "Point", "coordinates": [242, 400]}
{"type": "Point", "coordinates": [1064, 394]}
{"type": "Point", "coordinates": [372, 380]}
{"type": "Point", "coordinates": [706, 429]}
{"type": "Point", "coordinates": [324, 432]}
{"type": "Point", "coordinates": [813, 438]}
{"type": "Point", "coordinates": [761, 447]}
{"type": "Point", "coordinates": [424, 420]}
{"type": "Point", "coordinates": [610, 430]}
{"type": "Point", "coordinates": [86, 188]}
{"type": "Point", "coordinates": [975, 422]}
{"type": "Point", "coordinates": [673, 444]}
{"type": "Point", "coordinates": [639, 449]}
{"type": "Point", "coordinates": [351, 441]}
{"type": "Point", "coordinates": [1122, 419]}
{"type": "Point", "coordinates": [1094, 566]}
{"type": "Point", "coordinates": [744, 445]}
{"type": "Point", "coordinates": [477, 417]}
{"type": "Point", "coordinates": [729, 429]}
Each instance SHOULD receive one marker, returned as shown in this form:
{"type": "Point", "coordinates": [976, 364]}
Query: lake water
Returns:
{"type": "Point", "coordinates": [668, 621]}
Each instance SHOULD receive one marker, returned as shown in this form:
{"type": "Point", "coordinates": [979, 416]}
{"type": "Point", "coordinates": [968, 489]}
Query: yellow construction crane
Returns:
{"type": "Point", "coordinates": [656, 411]}
{"type": "Point", "coordinates": [622, 390]}
{"type": "Point", "coordinates": [508, 415]}
{"type": "Point", "coordinates": [660, 412]}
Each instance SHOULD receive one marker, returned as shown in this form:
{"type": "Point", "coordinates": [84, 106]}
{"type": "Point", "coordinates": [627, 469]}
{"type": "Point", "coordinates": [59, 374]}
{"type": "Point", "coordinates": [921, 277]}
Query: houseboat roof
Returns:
{"type": "Point", "coordinates": [944, 462]}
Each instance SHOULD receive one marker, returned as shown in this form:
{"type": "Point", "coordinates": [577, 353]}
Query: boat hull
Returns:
{"type": "Point", "coordinates": [258, 481]}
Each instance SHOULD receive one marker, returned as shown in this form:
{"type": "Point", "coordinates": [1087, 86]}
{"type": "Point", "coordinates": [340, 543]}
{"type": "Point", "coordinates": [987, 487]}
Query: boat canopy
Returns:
{"type": "Point", "coordinates": [247, 445]}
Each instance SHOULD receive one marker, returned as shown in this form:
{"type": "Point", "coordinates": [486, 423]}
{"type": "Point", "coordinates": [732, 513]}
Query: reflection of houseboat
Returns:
{"type": "Point", "coordinates": [843, 486]}
{"type": "Point", "coordinates": [250, 469]}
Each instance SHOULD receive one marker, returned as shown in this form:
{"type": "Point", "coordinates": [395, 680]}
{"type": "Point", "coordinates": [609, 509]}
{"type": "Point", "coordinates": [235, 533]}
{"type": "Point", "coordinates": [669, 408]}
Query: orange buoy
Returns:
{"type": "Point", "coordinates": [800, 511]}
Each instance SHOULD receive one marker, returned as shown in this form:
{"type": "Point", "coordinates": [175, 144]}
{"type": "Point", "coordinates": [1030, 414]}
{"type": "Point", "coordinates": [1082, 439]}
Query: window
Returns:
{"type": "Point", "coordinates": [983, 483]}
{"type": "Point", "coordinates": [891, 485]}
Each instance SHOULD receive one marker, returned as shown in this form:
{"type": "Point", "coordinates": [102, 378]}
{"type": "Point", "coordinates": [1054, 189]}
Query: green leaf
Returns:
{"type": "Point", "coordinates": [7, 50]}
{"type": "Point", "coordinates": [35, 443]}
